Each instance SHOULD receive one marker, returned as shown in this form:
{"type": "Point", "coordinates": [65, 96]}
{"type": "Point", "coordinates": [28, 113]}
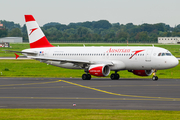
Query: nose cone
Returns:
{"type": "Point", "coordinates": [174, 62]}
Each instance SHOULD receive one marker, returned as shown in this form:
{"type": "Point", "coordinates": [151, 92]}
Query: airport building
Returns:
{"type": "Point", "coordinates": [169, 40]}
{"type": "Point", "coordinates": [11, 39]}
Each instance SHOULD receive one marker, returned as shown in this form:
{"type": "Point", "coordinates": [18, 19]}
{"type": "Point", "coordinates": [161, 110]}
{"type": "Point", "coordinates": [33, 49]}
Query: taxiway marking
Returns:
{"type": "Point", "coordinates": [133, 97]}
{"type": "Point", "coordinates": [111, 93]}
{"type": "Point", "coordinates": [29, 83]}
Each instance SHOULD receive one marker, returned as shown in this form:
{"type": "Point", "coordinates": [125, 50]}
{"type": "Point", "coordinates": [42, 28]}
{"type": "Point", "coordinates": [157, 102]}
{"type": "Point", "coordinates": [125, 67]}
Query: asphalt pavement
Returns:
{"type": "Point", "coordinates": [74, 93]}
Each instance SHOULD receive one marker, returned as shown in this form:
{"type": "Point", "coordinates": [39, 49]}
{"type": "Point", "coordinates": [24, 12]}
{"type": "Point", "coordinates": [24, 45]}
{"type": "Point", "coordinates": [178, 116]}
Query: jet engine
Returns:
{"type": "Point", "coordinates": [142, 72]}
{"type": "Point", "coordinates": [99, 70]}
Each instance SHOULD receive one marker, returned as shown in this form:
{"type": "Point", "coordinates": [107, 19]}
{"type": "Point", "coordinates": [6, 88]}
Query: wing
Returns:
{"type": "Point", "coordinates": [62, 61]}
{"type": "Point", "coordinates": [30, 52]}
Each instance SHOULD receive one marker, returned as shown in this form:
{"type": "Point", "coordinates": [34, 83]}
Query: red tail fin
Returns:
{"type": "Point", "coordinates": [37, 39]}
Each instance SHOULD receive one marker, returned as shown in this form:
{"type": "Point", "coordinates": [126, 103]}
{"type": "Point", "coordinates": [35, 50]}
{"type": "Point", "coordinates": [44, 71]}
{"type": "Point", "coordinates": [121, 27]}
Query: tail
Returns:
{"type": "Point", "coordinates": [37, 39]}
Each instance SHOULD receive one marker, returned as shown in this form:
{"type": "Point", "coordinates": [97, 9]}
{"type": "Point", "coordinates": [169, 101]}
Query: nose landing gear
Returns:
{"type": "Point", "coordinates": [154, 78]}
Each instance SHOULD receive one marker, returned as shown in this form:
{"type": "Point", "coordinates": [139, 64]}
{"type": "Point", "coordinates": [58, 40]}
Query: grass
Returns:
{"type": "Point", "coordinates": [33, 68]}
{"type": "Point", "coordinates": [175, 49]}
{"type": "Point", "coordinates": [83, 114]}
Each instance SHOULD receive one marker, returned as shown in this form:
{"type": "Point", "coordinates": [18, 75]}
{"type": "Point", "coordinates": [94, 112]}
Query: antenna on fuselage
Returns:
{"type": "Point", "coordinates": [153, 45]}
{"type": "Point", "coordinates": [84, 45]}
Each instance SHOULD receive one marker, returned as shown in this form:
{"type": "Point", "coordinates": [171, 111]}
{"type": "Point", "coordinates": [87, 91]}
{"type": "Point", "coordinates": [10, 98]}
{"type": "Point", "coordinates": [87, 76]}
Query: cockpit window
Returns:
{"type": "Point", "coordinates": [168, 54]}
{"type": "Point", "coordinates": [159, 54]}
{"type": "Point", "coordinates": [164, 54]}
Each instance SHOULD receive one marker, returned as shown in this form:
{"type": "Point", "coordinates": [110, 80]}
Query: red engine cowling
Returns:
{"type": "Point", "coordinates": [99, 70]}
{"type": "Point", "coordinates": [142, 72]}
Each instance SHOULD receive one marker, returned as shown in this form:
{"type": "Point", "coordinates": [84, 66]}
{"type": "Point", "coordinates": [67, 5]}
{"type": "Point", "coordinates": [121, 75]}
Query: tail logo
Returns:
{"type": "Point", "coordinates": [32, 30]}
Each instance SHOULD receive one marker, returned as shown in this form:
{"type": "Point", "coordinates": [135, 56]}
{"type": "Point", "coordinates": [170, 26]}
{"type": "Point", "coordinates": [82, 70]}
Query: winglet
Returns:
{"type": "Point", "coordinates": [16, 55]}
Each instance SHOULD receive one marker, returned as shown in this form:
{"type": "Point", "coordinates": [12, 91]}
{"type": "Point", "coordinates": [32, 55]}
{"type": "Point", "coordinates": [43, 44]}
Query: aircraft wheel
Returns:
{"type": "Point", "coordinates": [117, 76]}
{"type": "Point", "coordinates": [84, 76]}
{"type": "Point", "coordinates": [114, 76]}
{"type": "Point", "coordinates": [88, 77]}
{"type": "Point", "coordinates": [155, 78]}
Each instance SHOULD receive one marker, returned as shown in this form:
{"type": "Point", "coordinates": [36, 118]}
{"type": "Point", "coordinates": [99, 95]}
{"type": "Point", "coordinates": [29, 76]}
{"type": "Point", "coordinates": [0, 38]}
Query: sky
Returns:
{"type": "Point", "coordinates": [68, 11]}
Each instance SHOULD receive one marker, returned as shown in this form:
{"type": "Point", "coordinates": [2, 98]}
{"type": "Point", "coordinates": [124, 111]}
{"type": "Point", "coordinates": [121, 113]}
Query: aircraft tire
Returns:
{"type": "Point", "coordinates": [155, 78]}
{"type": "Point", "coordinates": [117, 76]}
{"type": "Point", "coordinates": [84, 76]}
{"type": "Point", "coordinates": [88, 77]}
{"type": "Point", "coordinates": [114, 76]}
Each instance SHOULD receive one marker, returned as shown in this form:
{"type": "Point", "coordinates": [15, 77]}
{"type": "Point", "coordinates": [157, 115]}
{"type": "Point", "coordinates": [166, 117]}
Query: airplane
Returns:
{"type": "Point", "coordinates": [97, 61]}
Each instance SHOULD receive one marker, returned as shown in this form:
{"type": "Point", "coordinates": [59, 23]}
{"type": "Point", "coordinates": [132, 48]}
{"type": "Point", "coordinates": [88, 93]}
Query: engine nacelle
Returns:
{"type": "Point", "coordinates": [142, 72]}
{"type": "Point", "coordinates": [99, 70]}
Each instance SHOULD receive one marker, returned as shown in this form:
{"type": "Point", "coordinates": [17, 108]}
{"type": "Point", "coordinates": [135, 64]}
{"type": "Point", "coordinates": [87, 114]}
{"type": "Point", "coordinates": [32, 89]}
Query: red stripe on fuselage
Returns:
{"type": "Point", "coordinates": [43, 42]}
{"type": "Point", "coordinates": [29, 18]}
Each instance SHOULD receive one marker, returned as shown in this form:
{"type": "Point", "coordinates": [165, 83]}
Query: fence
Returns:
{"type": "Point", "coordinates": [71, 41]}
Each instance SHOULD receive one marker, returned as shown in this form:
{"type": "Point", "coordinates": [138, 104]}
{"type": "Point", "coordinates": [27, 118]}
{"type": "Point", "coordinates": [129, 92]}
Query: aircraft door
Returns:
{"type": "Point", "coordinates": [148, 55]}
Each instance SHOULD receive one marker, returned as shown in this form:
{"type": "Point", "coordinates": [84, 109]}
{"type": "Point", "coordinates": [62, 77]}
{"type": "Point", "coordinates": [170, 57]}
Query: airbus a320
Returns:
{"type": "Point", "coordinates": [97, 61]}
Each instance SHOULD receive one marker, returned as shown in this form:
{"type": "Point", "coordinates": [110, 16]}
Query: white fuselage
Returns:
{"type": "Point", "coordinates": [122, 58]}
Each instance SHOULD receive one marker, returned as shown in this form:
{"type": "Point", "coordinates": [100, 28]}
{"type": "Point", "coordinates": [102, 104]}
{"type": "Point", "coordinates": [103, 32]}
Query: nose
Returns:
{"type": "Point", "coordinates": [174, 62]}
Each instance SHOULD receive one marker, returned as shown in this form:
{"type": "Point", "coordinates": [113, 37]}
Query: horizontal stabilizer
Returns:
{"type": "Point", "coordinates": [20, 51]}
{"type": "Point", "coordinates": [16, 55]}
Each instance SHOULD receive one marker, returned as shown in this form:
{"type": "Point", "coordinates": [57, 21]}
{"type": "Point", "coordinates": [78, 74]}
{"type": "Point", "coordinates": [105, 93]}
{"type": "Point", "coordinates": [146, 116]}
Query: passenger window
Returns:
{"type": "Point", "coordinates": [159, 54]}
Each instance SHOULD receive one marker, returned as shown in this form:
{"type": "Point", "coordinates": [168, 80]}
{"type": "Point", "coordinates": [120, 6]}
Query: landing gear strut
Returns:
{"type": "Point", "coordinates": [115, 76]}
{"type": "Point", "coordinates": [154, 78]}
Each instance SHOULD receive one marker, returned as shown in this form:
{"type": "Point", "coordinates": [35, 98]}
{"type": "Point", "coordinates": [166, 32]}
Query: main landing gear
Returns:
{"type": "Point", "coordinates": [86, 77]}
{"type": "Point", "coordinates": [154, 78]}
{"type": "Point", "coordinates": [115, 76]}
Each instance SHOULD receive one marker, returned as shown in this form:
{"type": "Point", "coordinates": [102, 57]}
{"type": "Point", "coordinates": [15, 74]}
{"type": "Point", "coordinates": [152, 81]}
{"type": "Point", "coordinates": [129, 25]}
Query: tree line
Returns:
{"type": "Point", "coordinates": [96, 31]}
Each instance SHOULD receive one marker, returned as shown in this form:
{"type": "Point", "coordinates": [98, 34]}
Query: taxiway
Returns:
{"type": "Point", "coordinates": [98, 93]}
